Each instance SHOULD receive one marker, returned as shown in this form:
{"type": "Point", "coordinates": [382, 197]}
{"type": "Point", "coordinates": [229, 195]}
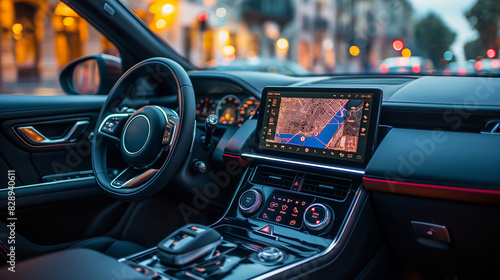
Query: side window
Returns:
{"type": "Point", "coordinates": [37, 39]}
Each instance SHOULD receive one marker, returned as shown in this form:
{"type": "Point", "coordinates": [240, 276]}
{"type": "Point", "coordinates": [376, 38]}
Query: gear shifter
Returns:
{"type": "Point", "coordinates": [187, 244]}
{"type": "Point", "coordinates": [210, 125]}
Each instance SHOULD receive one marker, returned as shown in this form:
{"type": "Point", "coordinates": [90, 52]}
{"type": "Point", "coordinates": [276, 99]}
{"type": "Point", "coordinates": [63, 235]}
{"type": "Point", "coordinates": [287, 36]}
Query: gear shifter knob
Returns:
{"type": "Point", "coordinates": [187, 244]}
{"type": "Point", "coordinates": [210, 125]}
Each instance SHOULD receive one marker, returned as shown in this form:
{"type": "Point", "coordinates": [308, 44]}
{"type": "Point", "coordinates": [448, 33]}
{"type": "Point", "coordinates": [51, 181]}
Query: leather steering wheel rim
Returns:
{"type": "Point", "coordinates": [181, 139]}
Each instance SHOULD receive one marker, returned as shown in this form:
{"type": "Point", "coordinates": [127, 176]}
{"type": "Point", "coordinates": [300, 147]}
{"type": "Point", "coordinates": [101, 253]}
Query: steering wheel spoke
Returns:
{"type": "Point", "coordinates": [131, 177]}
{"type": "Point", "coordinates": [111, 127]}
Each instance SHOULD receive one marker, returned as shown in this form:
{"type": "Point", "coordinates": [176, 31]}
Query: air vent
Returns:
{"type": "Point", "coordinates": [332, 187]}
{"type": "Point", "coordinates": [492, 127]}
{"type": "Point", "coordinates": [274, 177]}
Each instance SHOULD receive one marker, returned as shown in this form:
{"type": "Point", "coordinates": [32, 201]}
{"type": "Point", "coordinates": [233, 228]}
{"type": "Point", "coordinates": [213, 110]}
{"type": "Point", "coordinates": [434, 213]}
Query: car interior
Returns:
{"type": "Point", "coordinates": [172, 172]}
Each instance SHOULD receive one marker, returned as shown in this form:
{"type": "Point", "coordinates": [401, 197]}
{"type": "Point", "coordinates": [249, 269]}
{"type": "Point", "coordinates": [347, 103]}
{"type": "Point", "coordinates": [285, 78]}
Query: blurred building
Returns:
{"type": "Point", "coordinates": [39, 37]}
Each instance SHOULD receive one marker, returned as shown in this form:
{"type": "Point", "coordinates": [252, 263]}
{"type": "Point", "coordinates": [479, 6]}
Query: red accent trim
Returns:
{"type": "Point", "coordinates": [232, 156]}
{"type": "Point", "coordinates": [242, 162]}
{"type": "Point", "coordinates": [4, 248]}
{"type": "Point", "coordinates": [433, 191]}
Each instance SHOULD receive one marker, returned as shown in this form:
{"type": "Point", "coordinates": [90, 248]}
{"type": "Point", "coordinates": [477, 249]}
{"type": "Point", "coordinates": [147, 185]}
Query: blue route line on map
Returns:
{"type": "Point", "coordinates": [319, 141]}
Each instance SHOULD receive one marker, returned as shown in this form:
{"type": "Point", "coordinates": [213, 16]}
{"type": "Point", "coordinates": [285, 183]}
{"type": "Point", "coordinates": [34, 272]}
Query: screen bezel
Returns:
{"type": "Point", "coordinates": [309, 92]}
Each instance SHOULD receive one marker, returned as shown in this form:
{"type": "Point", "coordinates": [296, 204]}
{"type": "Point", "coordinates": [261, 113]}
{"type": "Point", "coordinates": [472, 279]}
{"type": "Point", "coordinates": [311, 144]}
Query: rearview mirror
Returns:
{"type": "Point", "coordinates": [91, 75]}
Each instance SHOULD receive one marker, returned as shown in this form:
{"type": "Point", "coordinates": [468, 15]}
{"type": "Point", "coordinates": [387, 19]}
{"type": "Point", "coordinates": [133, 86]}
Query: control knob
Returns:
{"type": "Point", "coordinates": [250, 201]}
{"type": "Point", "coordinates": [318, 216]}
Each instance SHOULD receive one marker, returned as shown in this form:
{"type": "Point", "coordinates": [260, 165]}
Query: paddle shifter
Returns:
{"type": "Point", "coordinates": [188, 244]}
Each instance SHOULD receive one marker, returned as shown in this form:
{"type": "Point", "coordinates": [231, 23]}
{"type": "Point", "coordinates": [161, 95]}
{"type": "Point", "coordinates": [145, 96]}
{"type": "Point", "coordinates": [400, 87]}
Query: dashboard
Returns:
{"type": "Point", "coordinates": [232, 109]}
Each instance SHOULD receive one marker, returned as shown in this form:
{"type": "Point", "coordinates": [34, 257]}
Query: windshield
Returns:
{"type": "Point", "coordinates": [301, 37]}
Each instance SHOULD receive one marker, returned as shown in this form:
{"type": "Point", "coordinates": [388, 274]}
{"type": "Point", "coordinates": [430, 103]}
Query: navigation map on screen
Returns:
{"type": "Point", "coordinates": [325, 124]}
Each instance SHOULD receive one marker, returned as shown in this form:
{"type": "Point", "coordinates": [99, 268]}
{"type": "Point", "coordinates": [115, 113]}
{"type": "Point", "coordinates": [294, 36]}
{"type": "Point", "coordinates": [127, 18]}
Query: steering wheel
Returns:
{"type": "Point", "coordinates": [153, 140]}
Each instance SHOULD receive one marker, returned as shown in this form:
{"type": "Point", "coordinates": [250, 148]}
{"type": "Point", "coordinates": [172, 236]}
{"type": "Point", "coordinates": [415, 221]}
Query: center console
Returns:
{"type": "Point", "coordinates": [296, 201]}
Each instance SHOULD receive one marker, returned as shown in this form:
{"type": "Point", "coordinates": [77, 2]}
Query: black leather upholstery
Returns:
{"type": "Point", "coordinates": [110, 246]}
{"type": "Point", "coordinates": [25, 249]}
{"type": "Point", "coordinates": [72, 264]}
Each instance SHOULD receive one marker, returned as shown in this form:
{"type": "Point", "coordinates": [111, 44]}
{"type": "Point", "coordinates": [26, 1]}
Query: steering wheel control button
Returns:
{"type": "Point", "coordinates": [113, 124]}
{"type": "Point", "coordinates": [167, 134]}
{"type": "Point", "coordinates": [317, 217]}
{"type": "Point", "coordinates": [270, 254]}
{"type": "Point", "coordinates": [250, 201]}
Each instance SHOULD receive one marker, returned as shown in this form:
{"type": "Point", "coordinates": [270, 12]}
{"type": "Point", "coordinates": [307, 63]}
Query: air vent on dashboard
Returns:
{"type": "Point", "coordinates": [274, 177]}
{"type": "Point", "coordinates": [492, 127]}
{"type": "Point", "coordinates": [332, 187]}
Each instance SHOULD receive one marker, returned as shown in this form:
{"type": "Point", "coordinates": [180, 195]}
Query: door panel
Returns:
{"type": "Point", "coordinates": [57, 199]}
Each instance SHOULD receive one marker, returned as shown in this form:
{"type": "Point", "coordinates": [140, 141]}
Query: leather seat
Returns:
{"type": "Point", "coordinates": [26, 249]}
{"type": "Point", "coordinates": [110, 246]}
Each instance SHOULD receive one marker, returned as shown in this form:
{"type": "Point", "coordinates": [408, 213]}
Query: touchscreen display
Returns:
{"type": "Point", "coordinates": [285, 209]}
{"type": "Point", "coordinates": [331, 124]}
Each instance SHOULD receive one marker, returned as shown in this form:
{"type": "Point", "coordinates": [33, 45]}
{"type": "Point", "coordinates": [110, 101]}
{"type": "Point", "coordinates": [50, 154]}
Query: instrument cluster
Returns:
{"type": "Point", "coordinates": [230, 109]}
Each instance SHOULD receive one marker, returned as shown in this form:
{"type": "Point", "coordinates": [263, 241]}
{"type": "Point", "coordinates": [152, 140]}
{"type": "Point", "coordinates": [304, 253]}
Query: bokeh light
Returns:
{"type": "Point", "coordinates": [17, 28]}
{"type": "Point", "coordinates": [398, 45]}
{"type": "Point", "coordinates": [402, 61]}
{"type": "Point", "coordinates": [354, 50]}
{"type": "Point", "coordinates": [203, 16]}
{"type": "Point", "coordinates": [68, 21]}
{"type": "Point", "coordinates": [167, 9]}
{"type": "Point", "coordinates": [228, 50]}
{"type": "Point", "coordinates": [406, 53]}
{"type": "Point", "coordinates": [448, 55]}
{"type": "Point", "coordinates": [384, 68]}
{"type": "Point", "coordinates": [462, 71]}
{"type": "Point", "coordinates": [416, 68]}
{"type": "Point", "coordinates": [220, 12]}
{"type": "Point", "coordinates": [495, 63]}
{"type": "Point", "coordinates": [282, 44]}
{"type": "Point", "coordinates": [491, 53]}
{"type": "Point", "coordinates": [161, 23]}
{"type": "Point", "coordinates": [479, 65]}
{"type": "Point", "coordinates": [223, 35]}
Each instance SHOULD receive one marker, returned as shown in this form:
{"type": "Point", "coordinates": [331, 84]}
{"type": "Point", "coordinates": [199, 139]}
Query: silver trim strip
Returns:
{"type": "Point", "coordinates": [308, 164]}
{"type": "Point", "coordinates": [50, 183]}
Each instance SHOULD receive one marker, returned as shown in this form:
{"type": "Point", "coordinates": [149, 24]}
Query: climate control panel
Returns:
{"type": "Point", "coordinates": [287, 209]}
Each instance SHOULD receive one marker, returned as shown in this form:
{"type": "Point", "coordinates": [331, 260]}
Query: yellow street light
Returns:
{"type": "Point", "coordinates": [17, 28]}
{"type": "Point", "coordinates": [354, 50]}
{"type": "Point", "coordinates": [167, 9]}
{"type": "Point", "coordinates": [223, 35]}
{"type": "Point", "coordinates": [406, 53]}
{"type": "Point", "coordinates": [228, 50]}
{"type": "Point", "coordinates": [161, 23]}
{"type": "Point", "coordinates": [68, 21]}
{"type": "Point", "coordinates": [282, 44]}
